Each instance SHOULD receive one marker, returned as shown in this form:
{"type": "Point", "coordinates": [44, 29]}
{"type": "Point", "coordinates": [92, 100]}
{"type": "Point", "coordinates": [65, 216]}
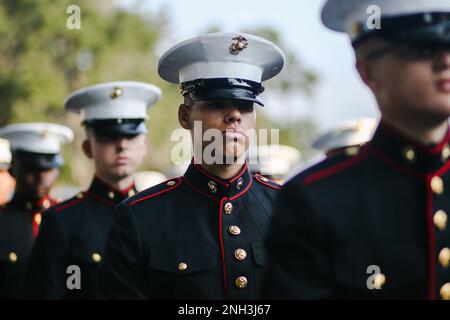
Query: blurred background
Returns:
{"type": "Point", "coordinates": [42, 61]}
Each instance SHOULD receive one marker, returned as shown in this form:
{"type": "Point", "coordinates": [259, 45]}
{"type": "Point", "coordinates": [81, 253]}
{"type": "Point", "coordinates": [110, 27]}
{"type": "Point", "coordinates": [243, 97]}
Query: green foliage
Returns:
{"type": "Point", "coordinates": [42, 61]}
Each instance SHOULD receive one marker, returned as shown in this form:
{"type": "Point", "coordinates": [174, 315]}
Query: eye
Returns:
{"type": "Point", "coordinates": [246, 106]}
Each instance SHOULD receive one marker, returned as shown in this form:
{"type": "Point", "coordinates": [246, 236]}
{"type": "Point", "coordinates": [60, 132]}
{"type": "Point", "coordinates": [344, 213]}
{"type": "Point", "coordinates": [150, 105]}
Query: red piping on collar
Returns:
{"type": "Point", "coordinates": [206, 173]}
{"type": "Point", "coordinates": [408, 170]}
{"type": "Point", "coordinates": [123, 192]}
{"type": "Point", "coordinates": [313, 177]}
{"type": "Point", "coordinates": [431, 151]}
{"type": "Point", "coordinates": [176, 185]}
{"type": "Point", "coordinates": [222, 250]}
{"type": "Point", "coordinates": [240, 173]}
{"type": "Point", "coordinates": [98, 198]}
{"type": "Point", "coordinates": [243, 191]}
{"type": "Point", "coordinates": [443, 169]}
{"type": "Point", "coordinates": [396, 164]}
{"type": "Point", "coordinates": [198, 190]}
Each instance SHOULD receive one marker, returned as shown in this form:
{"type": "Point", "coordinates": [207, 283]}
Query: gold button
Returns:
{"type": "Point", "coordinates": [170, 183]}
{"type": "Point", "coordinates": [46, 204]}
{"type": "Point", "coordinates": [228, 208]}
{"type": "Point", "coordinates": [234, 230]}
{"type": "Point", "coordinates": [38, 218]}
{"type": "Point", "coordinates": [445, 153]}
{"type": "Point", "coordinates": [212, 186]}
{"type": "Point", "coordinates": [80, 195]}
{"type": "Point", "coordinates": [240, 254]}
{"type": "Point", "coordinates": [409, 154]}
{"type": "Point", "coordinates": [440, 220]}
{"type": "Point", "coordinates": [241, 282]}
{"type": "Point", "coordinates": [445, 291]}
{"type": "Point", "coordinates": [12, 257]}
{"type": "Point", "coordinates": [378, 280]}
{"type": "Point", "coordinates": [351, 151]}
{"type": "Point", "coordinates": [131, 193]}
{"type": "Point", "coordinates": [29, 205]}
{"type": "Point", "coordinates": [444, 257]}
{"type": "Point", "coordinates": [437, 185]}
{"type": "Point", "coordinates": [96, 257]}
{"type": "Point", "coordinates": [182, 266]}
{"type": "Point", "coordinates": [111, 195]}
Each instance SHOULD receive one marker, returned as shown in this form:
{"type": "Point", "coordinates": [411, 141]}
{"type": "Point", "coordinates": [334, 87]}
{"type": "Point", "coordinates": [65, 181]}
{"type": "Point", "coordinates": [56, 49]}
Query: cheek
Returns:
{"type": "Point", "coordinates": [413, 83]}
{"type": "Point", "coordinates": [250, 120]}
{"type": "Point", "coordinates": [103, 152]}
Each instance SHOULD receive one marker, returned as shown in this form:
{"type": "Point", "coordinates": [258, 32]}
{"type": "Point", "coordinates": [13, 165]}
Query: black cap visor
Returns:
{"type": "Point", "coordinates": [226, 94]}
{"type": "Point", "coordinates": [113, 128]}
{"type": "Point", "coordinates": [419, 29]}
{"type": "Point", "coordinates": [39, 161]}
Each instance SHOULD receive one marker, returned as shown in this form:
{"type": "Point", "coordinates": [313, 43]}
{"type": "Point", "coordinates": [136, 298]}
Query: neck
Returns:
{"type": "Point", "coordinates": [424, 132]}
{"type": "Point", "coordinates": [223, 171]}
{"type": "Point", "coordinates": [118, 184]}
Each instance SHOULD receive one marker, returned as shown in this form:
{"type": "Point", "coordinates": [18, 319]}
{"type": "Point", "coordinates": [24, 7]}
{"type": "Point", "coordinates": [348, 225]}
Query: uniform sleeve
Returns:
{"type": "Point", "coordinates": [46, 271]}
{"type": "Point", "coordinates": [298, 258]}
{"type": "Point", "coordinates": [123, 273]}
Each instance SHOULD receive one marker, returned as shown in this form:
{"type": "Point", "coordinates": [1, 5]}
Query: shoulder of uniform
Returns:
{"type": "Point", "coordinates": [155, 191]}
{"type": "Point", "coordinates": [267, 182]}
{"type": "Point", "coordinates": [64, 205]}
{"type": "Point", "coordinates": [333, 165]}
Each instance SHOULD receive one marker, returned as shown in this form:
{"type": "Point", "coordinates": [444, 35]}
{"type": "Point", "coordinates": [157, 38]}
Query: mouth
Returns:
{"type": "Point", "coordinates": [444, 85]}
{"type": "Point", "coordinates": [234, 133]}
{"type": "Point", "coordinates": [121, 160]}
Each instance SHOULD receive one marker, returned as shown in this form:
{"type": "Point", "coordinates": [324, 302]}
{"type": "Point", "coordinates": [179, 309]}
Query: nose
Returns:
{"type": "Point", "coordinates": [443, 60]}
{"type": "Point", "coordinates": [233, 115]}
{"type": "Point", "coordinates": [121, 143]}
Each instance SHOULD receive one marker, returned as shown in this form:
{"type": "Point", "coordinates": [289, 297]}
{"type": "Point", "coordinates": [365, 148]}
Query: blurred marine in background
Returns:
{"type": "Point", "coordinates": [74, 232]}
{"type": "Point", "coordinates": [7, 182]}
{"type": "Point", "coordinates": [36, 160]}
{"type": "Point", "coordinates": [348, 137]}
{"type": "Point", "coordinates": [374, 224]}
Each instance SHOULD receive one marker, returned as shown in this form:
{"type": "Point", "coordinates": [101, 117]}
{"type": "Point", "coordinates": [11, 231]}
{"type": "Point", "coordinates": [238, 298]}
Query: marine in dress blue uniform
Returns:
{"type": "Point", "coordinates": [199, 236]}
{"type": "Point", "coordinates": [373, 224]}
{"type": "Point", "coordinates": [35, 164]}
{"type": "Point", "coordinates": [74, 232]}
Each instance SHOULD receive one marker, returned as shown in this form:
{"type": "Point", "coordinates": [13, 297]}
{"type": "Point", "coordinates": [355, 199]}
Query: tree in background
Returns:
{"type": "Point", "coordinates": [42, 61]}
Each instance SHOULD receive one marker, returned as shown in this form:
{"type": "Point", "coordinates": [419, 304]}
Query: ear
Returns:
{"type": "Point", "coordinates": [87, 148]}
{"type": "Point", "coordinates": [184, 116]}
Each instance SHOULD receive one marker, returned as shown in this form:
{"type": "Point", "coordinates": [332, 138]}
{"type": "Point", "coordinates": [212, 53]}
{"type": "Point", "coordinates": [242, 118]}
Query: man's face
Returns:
{"type": "Point", "coordinates": [116, 158]}
{"type": "Point", "coordinates": [410, 79]}
{"type": "Point", "coordinates": [231, 119]}
{"type": "Point", "coordinates": [33, 182]}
